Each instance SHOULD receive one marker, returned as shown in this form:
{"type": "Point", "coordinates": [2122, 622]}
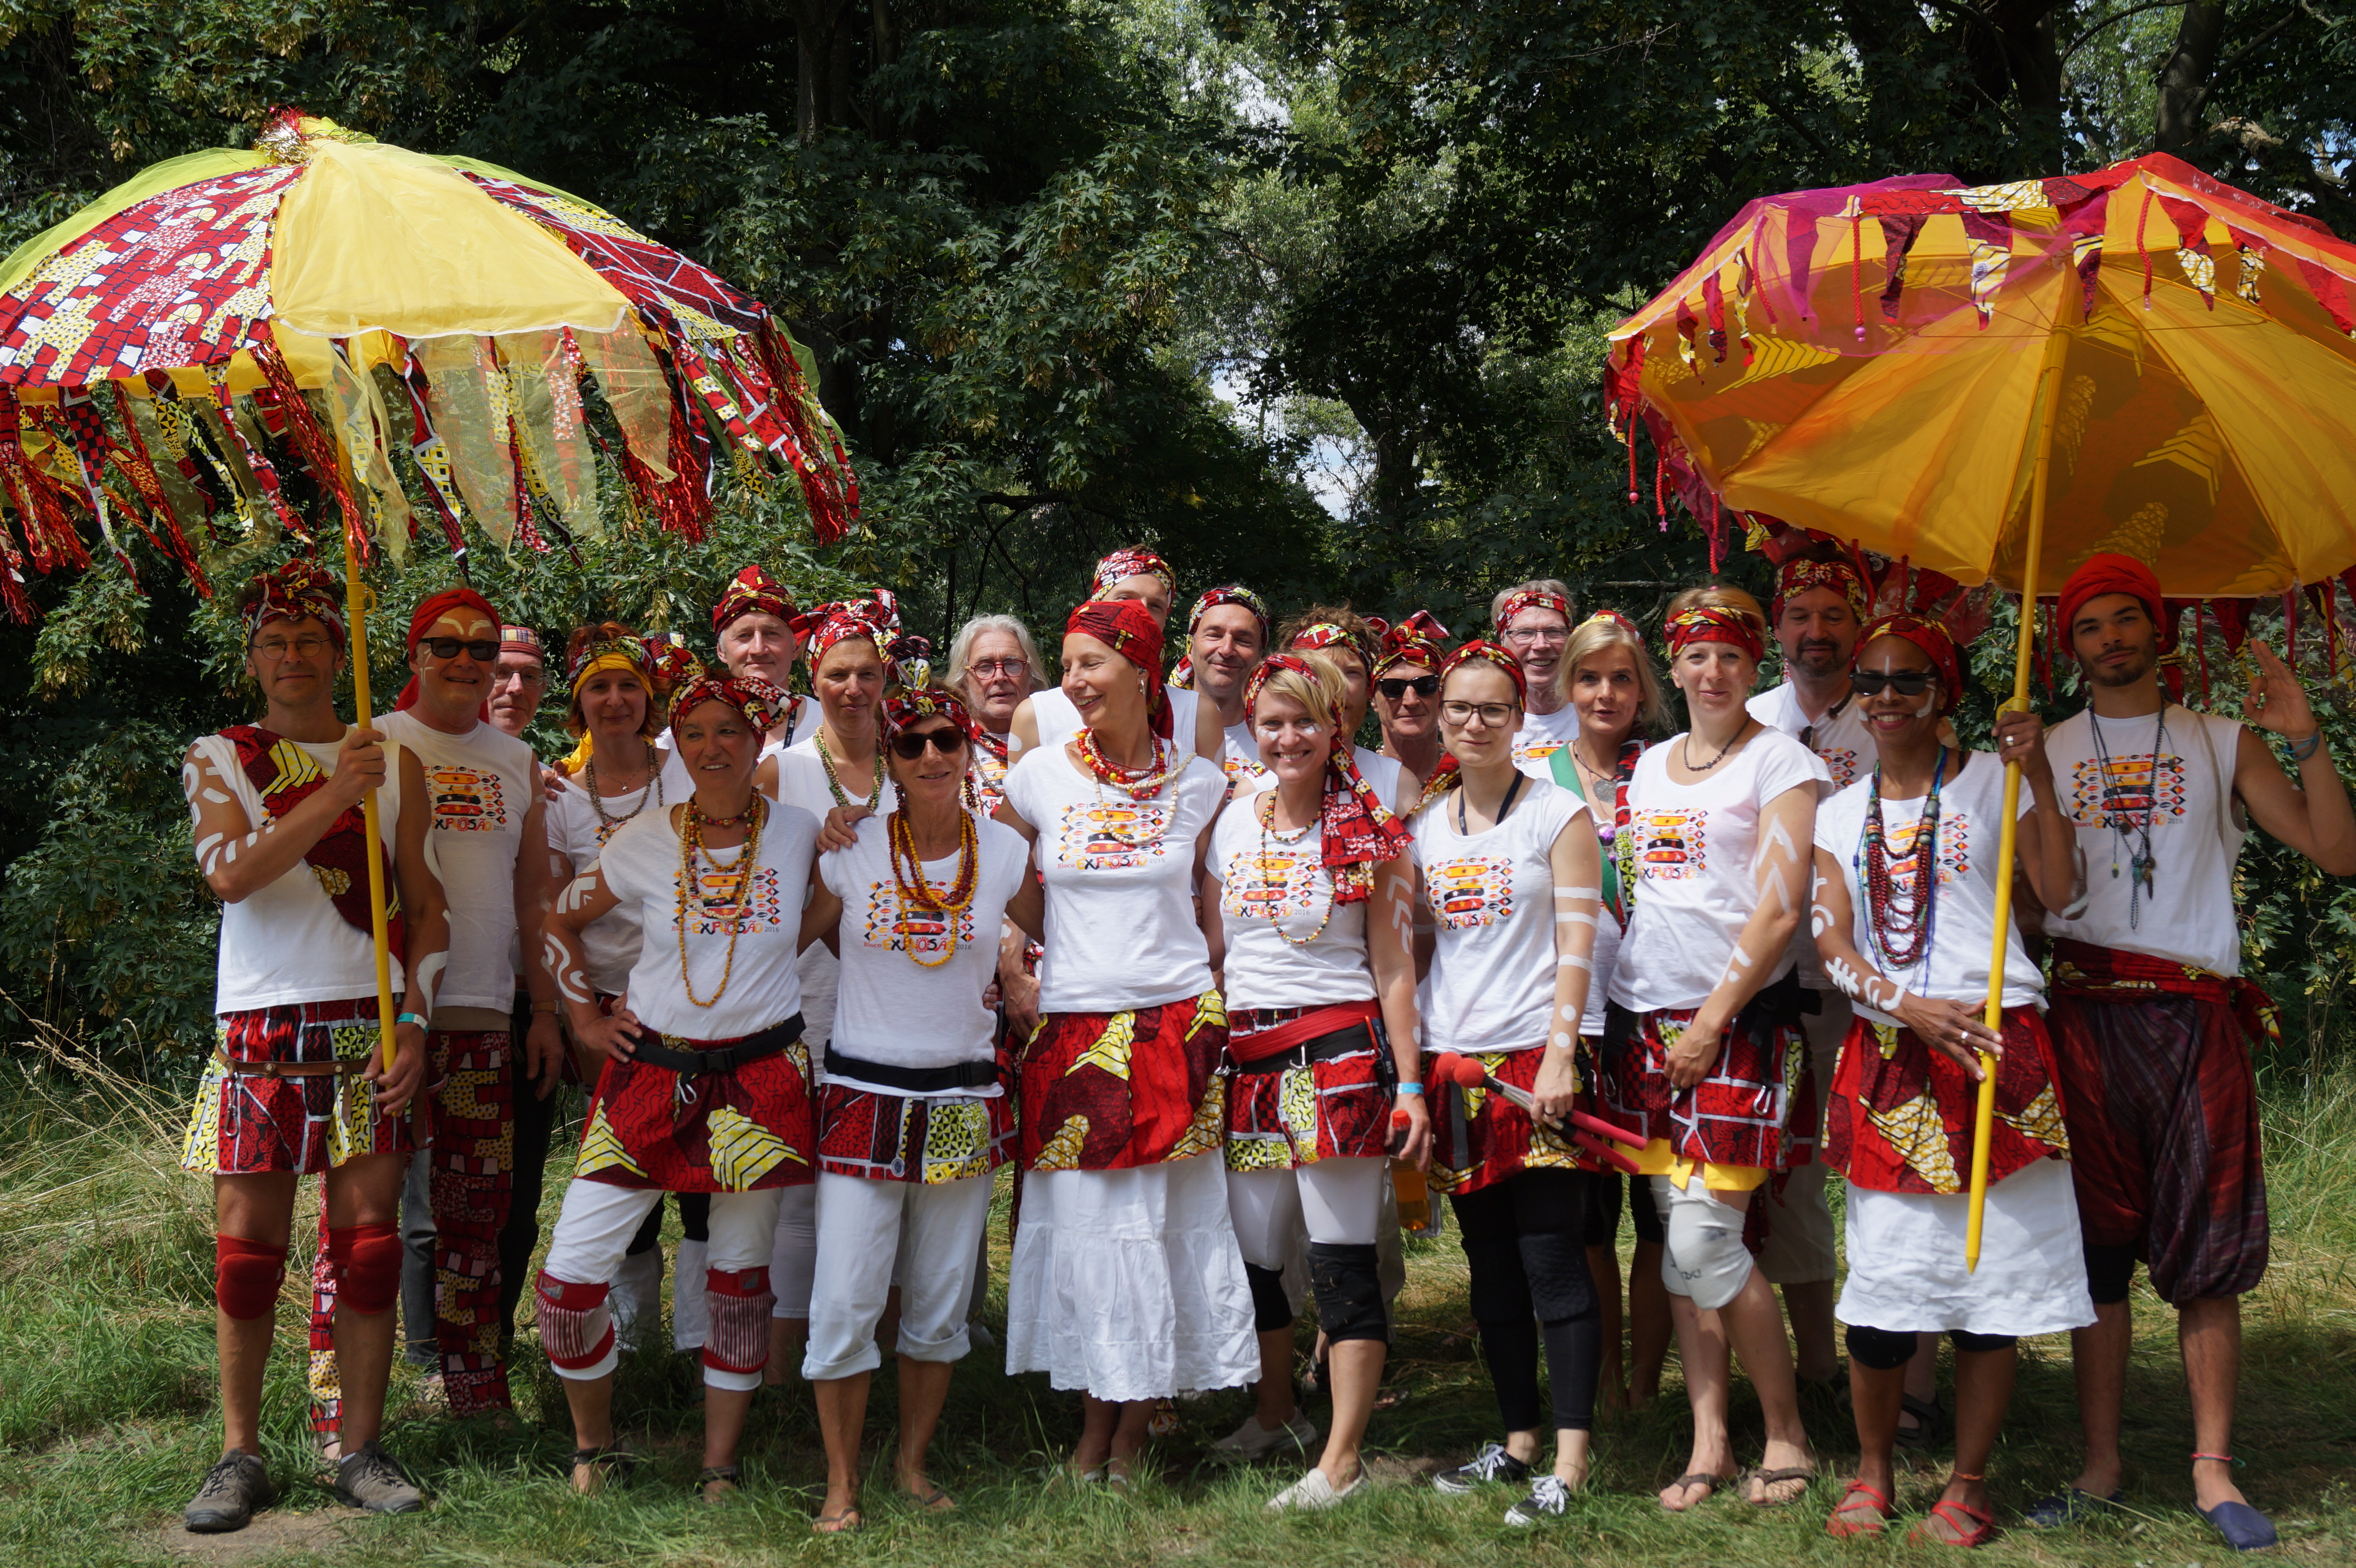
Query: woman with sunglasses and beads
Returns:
{"type": "Point", "coordinates": [1125, 1281]}
{"type": "Point", "coordinates": [911, 1117]}
{"type": "Point", "coordinates": [704, 1082]}
{"type": "Point", "coordinates": [1705, 1014]}
{"type": "Point", "coordinates": [1322, 1039]}
{"type": "Point", "coordinates": [1608, 682]}
{"type": "Point", "coordinates": [1905, 918]}
{"type": "Point", "coordinates": [1509, 869]}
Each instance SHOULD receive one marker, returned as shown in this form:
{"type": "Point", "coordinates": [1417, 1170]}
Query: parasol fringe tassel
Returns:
{"type": "Point", "coordinates": [2201, 645]}
{"type": "Point", "coordinates": [431, 454]}
{"type": "Point", "coordinates": [265, 475]}
{"type": "Point", "coordinates": [131, 454]}
{"type": "Point", "coordinates": [38, 497]}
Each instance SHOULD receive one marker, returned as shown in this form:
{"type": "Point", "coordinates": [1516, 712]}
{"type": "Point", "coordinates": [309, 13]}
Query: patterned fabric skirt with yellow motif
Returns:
{"type": "Point", "coordinates": [1115, 1091]}
{"type": "Point", "coordinates": [247, 1124]}
{"type": "Point", "coordinates": [926, 1138]}
{"type": "Point", "coordinates": [1479, 1137]}
{"type": "Point", "coordinates": [741, 1131]}
{"type": "Point", "coordinates": [1900, 1126]}
{"type": "Point", "coordinates": [1282, 1118]}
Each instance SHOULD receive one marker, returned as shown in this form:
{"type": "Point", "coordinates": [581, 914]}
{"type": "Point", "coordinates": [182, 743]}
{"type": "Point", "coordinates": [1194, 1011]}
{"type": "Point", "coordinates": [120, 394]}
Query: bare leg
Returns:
{"type": "Point", "coordinates": [1983, 1393]}
{"type": "Point", "coordinates": [1875, 1396]}
{"type": "Point", "coordinates": [1650, 1323]}
{"type": "Point", "coordinates": [1603, 1265]}
{"type": "Point", "coordinates": [364, 1190]}
{"type": "Point", "coordinates": [2209, 1332]}
{"type": "Point", "coordinates": [1128, 1436]}
{"type": "Point", "coordinates": [923, 1388]}
{"type": "Point", "coordinates": [591, 1400]}
{"type": "Point", "coordinates": [1922, 1379]}
{"type": "Point", "coordinates": [2099, 1359]}
{"type": "Point", "coordinates": [1355, 1369]}
{"type": "Point", "coordinates": [261, 1209]}
{"type": "Point", "coordinates": [1810, 1308]}
{"type": "Point", "coordinates": [724, 1410]}
{"type": "Point", "coordinates": [1573, 1450]}
{"type": "Point", "coordinates": [842, 1414]}
{"type": "Point", "coordinates": [1272, 1395]}
{"type": "Point", "coordinates": [1098, 1421]}
{"type": "Point", "coordinates": [1702, 1350]}
{"type": "Point", "coordinates": [786, 1336]}
{"type": "Point", "coordinates": [1754, 1327]}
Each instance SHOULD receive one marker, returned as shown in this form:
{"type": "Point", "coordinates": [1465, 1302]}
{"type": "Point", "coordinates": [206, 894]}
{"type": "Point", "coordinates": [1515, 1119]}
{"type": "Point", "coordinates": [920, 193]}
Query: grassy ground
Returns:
{"type": "Point", "coordinates": [107, 1418]}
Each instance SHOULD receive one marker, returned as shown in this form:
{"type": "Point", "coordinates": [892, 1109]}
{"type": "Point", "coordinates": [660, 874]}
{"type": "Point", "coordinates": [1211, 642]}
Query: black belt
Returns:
{"type": "Point", "coordinates": [911, 1079]}
{"type": "Point", "coordinates": [728, 1058]}
{"type": "Point", "coordinates": [1326, 1047]}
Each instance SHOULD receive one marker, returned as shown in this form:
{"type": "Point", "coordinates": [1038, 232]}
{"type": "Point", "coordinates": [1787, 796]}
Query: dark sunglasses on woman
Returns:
{"type": "Point", "coordinates": [947, 742]}
{"type": "Point", "coordinates": [1421, 685]}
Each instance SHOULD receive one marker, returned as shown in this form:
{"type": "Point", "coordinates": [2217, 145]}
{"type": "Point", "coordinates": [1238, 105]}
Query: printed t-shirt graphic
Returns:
{"type": "Point", "coordinates": [1472, 889]}
{"type": "Point", "coordinates": [716, 908]}
{"type": "Point", "coordinates": [896, 926]}
{"type": "Point", "coordinates": [466, 800]}
{"type": "Point", "coordinates": [1110, 835]}
{"type": "Point", "coordinates": [1274, 883]}
{"type": "Point", "coordinates": [2127, 786]}
{"type": "Point", "coordinates": [1672, 842]}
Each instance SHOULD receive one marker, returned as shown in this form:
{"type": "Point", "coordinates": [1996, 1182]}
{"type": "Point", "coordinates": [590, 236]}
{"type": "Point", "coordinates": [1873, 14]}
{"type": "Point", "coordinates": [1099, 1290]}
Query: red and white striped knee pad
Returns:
{"type": "Point", "coordinates": [575, 1327]}
{"type": "Point", "coordinates": [246, 1275]}
{"type": "Point", "coordinates": [738, 1303]}
{"type": "Point", "coordinates": [367, 1260]}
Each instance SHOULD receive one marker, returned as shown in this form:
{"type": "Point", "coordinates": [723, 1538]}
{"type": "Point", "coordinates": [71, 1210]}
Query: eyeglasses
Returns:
{"type": "Point", "coordinates": [947, 742]}
{"type": "Point", "coordinates": [277, 648]}
{"type": "Point", "coordinates": [1492, 714]}
{"type": "Point", "coordinates": [1539, 635]}
{"type": "Point", "coordinates": [1905, 683]}
{"type": "Point", "coordinates": [534, 676]}
{"type": "Point", "coordinates": [447, 648]}
{"type": "Point", "coordinates": [987, 668]}
{"type": "Point", "coordinates": [1421, 685]}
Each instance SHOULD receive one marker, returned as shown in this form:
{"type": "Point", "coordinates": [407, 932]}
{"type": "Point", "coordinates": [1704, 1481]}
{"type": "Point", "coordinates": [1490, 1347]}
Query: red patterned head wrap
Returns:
{"type": "Point", "coordinates": [1231, 593]}
{"type": "Point", "coordinates": [1613, 618]}
{"type": "Point", "coordinates": [876, 618]}
{"type": "Point", "coordinates": [1934, 639]}
{"type": "Point", "coordinates": [1709, 624]}
{"type": "Point", "coordinates": [751, 590]}
{"type": "Point", "coordinates": [1418, 639]}
{"type": "Point", "coordinates": [433, 610]}
{"type": "Point", "coordinates": [1799, 576]}
{"type": "Point", "coordinates": [1530, 599]}
{"type": "Point", "coordinates": [1356, 830]}
{"type": "Point", "coordinates": [1135, 561]}
{"type": "Point", "coordinates": [762, 704]}
{"type": "Point", "coordinates": [298, 590]}
{"type": "Point", "coordinates": [1331, 634]}
{"type": "Point", "coordinates": [1479, 648]}
{"type": "Point", "coordinates": [669, 660]}
{"type": "Point", "coordinates": [1123, 625]}
{"type": "Point", "coordinates": [2109, 573]}
{"type": "Point", "coordinates": [909, 704]}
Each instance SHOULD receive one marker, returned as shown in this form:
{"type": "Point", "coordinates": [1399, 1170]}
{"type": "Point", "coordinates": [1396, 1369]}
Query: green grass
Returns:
{"type": "Point", "coordinates": [107, 1416]}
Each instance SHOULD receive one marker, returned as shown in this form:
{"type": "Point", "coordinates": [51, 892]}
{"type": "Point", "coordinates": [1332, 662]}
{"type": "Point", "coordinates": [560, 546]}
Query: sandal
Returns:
{"type": "Point", "coordinates": [610, 1466]}
{"type": "Point", "coordinates": [841, 1523]}
{"type": "Point", "coordinates": [1930, 1428]}
{"type": "Point", "coordinates": [1841, 1529]}
{"type": "Point", "coordinates": [936, 1500]}
{"type": "Point", "coordinates": [1804, 1473]}
{"type": "Point", "coordinates": [722, 1475]}
{"type": "Point", "coordinates": [1697, 1479]}
{"type": "Point", "coordinates": [1972, 1526]}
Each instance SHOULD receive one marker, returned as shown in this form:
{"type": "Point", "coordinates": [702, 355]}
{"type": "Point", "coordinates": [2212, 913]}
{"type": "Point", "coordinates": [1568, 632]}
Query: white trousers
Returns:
{"type": "Point", "coordinates": [593, 1231]}
{"type": "Point", "coordinates": [1336, 1200]}
{"type": "Point", "coordinates": [793, 1253]}
{"type": "Point", "coordinates": [873, 1235]}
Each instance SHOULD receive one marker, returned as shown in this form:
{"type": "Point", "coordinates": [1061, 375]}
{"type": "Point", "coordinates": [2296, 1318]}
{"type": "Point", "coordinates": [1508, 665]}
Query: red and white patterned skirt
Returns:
{"type": "Point", "coordinates": [249, 1124]}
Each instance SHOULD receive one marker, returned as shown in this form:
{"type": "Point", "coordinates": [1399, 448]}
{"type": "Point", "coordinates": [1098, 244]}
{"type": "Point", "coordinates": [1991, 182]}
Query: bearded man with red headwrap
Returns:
{"type": "Point", "coordinates": [2153, 1021]}
{"type": "Point", "coordinates": [297, 1084]}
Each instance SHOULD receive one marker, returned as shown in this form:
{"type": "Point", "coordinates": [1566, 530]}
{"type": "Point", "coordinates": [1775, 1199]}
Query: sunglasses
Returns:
{"type": "Point", "coordinates": [1421, 685]}
{"type": "Point", "coordinates": [447, 648]}
{"type": "Point", "coordinates": [908, 748]}
{"type": "Point", "coordinates": [1905, 683]}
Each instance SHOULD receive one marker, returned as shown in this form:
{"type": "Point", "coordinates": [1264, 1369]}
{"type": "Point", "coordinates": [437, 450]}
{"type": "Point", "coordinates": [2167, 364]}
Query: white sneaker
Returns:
{"type": "Point", "coordinates": [1253, 1440]}
{"type": "Point", "coordinates": [1314, 1492]}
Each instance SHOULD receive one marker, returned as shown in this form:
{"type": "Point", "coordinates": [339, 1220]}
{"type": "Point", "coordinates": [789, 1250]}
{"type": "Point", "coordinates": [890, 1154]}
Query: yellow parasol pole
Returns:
{"type": "Point", "coordinates": [2049, 388]}
{"type": "Point", "coordinates": [379, 923]}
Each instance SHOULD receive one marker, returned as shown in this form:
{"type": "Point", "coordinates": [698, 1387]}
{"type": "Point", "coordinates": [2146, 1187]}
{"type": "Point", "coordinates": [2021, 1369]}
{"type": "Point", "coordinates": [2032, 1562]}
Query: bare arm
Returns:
{"type": "Point", "coordinates": [238, 859]}
{"type": "Point", "coordinates": [1955, 1029]}
{"type": "Point", "coordinates": [1390, 952]}
{"type": "Point", "coordinates": [821, 919]}
{"type": "Point", "coordinates": [1210, 735]}
{"type": "Point", "coordinates": [577, 907]}
{"type": "Point", "coordinates": [1022, 734]}
{"type": "Point", "coordinates": [1018, 987]}
{"type": "Point", "coordinates": [1787, 830]}
{"type": "Point", "coordinates": [2312, 816]}
{"type": "Point", "coordinates": [1578, 867]}
{"type": "Point", "coordinates": [1206, 908]}
{"type": "Point", "coordinates": [535, 889]}
{"type": "Point", "coordinates": [425, 939]}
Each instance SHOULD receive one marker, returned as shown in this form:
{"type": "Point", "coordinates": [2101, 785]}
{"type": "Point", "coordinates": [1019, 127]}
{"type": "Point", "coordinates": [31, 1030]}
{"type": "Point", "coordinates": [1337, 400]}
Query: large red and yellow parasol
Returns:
{"type": "Point", "coordinates": [328, 331]}
{"type": "Point", "coordinates": [1996, 383]}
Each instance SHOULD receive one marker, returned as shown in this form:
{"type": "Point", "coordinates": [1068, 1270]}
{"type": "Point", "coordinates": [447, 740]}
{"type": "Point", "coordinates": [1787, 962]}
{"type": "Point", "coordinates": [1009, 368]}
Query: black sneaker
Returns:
{"type": "Point", "coordinates": [372, 1478]}
{"type": "Point", "coordinates": [1489, 1467]}
{"type": "Point", "coordinates": [233, 1488]}
{"type": "Point", "coordinates": [1550, 1499]}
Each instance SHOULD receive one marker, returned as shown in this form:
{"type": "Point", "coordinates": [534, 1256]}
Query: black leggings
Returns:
{"type": "Point", "coordinates": [1603, 1202]}
{"type": "Point", "coordinates": [1887, 1349]}
{"type": "Point", "coordinates": [694, 1223]}
{"type": "Point", "coordinates": [1525, 1242]}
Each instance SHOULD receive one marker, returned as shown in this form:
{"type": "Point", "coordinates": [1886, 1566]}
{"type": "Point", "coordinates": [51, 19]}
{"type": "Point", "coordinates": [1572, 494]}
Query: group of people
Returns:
{"type": "Point", "coordinates": [1206, 972]}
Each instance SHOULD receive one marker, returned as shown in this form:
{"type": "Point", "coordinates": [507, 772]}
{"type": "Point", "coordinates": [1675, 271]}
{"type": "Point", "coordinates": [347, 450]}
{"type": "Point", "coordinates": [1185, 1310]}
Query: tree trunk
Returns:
{"type": "Point", "coordinates": [2184, 78]}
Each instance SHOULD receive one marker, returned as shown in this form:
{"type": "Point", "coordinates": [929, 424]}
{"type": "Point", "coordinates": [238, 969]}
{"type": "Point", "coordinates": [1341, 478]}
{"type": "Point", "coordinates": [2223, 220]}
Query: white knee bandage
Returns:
{"type": "Point", "coordinates": [1703, 1257]}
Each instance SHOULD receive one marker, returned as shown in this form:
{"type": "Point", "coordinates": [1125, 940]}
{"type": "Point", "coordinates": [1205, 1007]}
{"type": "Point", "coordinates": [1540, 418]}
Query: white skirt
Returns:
{"type": "Point", "coordinates": [1906, 1259]}
{"type": "Point", "coordinates": [1128, 1283]}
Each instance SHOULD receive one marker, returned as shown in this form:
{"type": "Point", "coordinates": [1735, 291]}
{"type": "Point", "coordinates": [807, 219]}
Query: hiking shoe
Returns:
{"type": "Point", "coordinates": [1314, 1493]}
{"type": "Point", "coordinates": [1490, 1466]}
{"type": "Point", "coordinates": [373, 1479]}
{"type": "Point", "coordinates": [1550, 1499]}
{"type": "Point", "coordinates": [236, 1485]}
{"type": "Point", "coordinates": [1253, 1440]}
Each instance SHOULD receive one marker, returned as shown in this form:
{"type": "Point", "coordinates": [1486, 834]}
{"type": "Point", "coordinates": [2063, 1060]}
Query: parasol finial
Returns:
{"type": "Point", "coordinates": [286, 135]}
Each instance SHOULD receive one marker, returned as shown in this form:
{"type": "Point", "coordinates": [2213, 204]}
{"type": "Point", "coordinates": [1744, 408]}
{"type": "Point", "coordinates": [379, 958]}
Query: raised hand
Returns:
{"type": "Point", "coordinates": [2278, 703]}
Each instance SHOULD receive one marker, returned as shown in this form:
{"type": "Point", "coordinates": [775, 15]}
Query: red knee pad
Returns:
{"type": "Point", "coordinates": [575, 1327]}
{"type": "Point", "coordinates": [737, 1302]}
{"type": "Point", "coordinates": [367, 1260]}
{"type": "Point", "coordinates": [246, 1276]}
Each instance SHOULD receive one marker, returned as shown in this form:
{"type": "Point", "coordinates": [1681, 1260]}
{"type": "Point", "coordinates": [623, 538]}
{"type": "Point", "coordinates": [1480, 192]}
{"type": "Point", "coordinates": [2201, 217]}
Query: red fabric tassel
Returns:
{"type": "Point", "coordinates": [132, 453]}
{"type": "Point", "coordinates": [2201, 645]}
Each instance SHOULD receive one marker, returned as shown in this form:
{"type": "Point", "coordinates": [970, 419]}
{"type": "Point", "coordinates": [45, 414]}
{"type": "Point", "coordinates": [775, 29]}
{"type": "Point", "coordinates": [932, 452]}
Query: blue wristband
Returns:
{"type": "Point", "coordinates": [1408, 1089]}
{"type": "Point", "coordinates": [411, 1019]}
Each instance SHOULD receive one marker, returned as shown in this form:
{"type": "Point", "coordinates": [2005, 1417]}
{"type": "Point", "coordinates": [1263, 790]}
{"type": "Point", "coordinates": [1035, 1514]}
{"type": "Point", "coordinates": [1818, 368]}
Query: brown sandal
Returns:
{"type": "Point", "coordinates": [1699, 1479]}
{"type": "Point", "coordinates": [1802, 1473]}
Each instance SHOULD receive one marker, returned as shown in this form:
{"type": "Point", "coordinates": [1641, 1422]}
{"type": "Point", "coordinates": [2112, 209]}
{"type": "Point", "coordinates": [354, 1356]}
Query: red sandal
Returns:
{"type": "Point", "coordinates": [1842, 1529]}
{"type": "Point", "coordinates": [1973, 1528]}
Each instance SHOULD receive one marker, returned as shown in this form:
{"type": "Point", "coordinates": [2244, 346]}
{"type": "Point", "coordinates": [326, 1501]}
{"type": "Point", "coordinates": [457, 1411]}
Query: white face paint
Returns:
{"type": "Point", "coordinates": [1571, 1015]}
{"type": "Point", "coordinates": [1820, 919]}
{"type": "Point", "coordinates": [429, 978]}
{"type": "Point", "coordinates": [188, 776]}
{"type": "Point", "coordinates": [560, 963]}
{"type": "Point", "coordinates": [576, 893]}
{"type": "Point", "coordinates": [1571, 961]}
{"type": "Point", "coordinates": [205, 848]}
{"type": "Point", "coordinates": [1589, 894]}
{"type": "Point", "coordinates": [1561, 1041]}
{"type": "Point", "coordinates": [216, 796]}
{"type": "Point", "coordinates": [1573, 917]}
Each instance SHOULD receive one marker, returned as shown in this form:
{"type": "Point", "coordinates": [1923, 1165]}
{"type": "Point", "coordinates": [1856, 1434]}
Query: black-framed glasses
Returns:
{"type": "Point", "coordinates": [485, 652]}
{"type": "Point", "coordinates": [1397, 687]}
{"type": "Point", "coordinates": [1904, 682]}
{"type": "Point", "coordinates": [947, 742]}
{"type": "Point", "coordinates": [1492, 714]}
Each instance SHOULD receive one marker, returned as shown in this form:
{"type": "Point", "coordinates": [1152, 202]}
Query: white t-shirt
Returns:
{"type": "Point", "coordinates": [1058, 720]}
{"type": "Point", "coordinates": [1493, 969]}
{"type": "Point", "coordinates": [2187, 914]}
{"type": "Point", "coordinates": [1963, 913]}
{"type": "Point", "coordinates": [1120, 883]}
{"type": "Point", "coordinates": [1841, 740]}
{"type": "Point", "coordinates": [988, 778]}
{"type": "Point", "coordinates": [1272, 896]}
{"type": "Point", "coordinates": [479, 786]}
{"type": "Point", "coordinates": [610, 943]}
{"type": "Point", "coordinates": [1695, 848]}
{"type": "Point", "coordinates": [287, 943]}
{"type": "Point", "coordinates": [890, 1008]}
{"type": "Point", "coordinates": [1541, 736]}
{"type": "Point", "coordinates": [641, 865]}
{"type": "Point", "coordinates": [802, 782]}
{"type": "Point", "coordinates": [1239, 758]}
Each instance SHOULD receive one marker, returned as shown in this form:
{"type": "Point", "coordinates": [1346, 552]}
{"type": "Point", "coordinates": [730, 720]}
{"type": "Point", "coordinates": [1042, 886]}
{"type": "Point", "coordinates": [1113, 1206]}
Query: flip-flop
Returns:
{"type": "Point", "coordinates": [937, 1500]}
{"type": "Point", "coordinates": [725, 1474]}
{"type": "Point", "coordinates": [1802, 1473]}
{"type": "Point", "coordinates": [841, 1523]}
{"type": "Point", "coordinates": [1699, 1479]}
{"type": "Point", "coordinates": [1841, 1529]}
{"type": "Point", "coordinates": [1973, 1528]}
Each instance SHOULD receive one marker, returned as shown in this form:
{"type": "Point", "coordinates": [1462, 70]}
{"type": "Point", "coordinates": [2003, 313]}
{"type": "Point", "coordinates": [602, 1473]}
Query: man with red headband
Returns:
{"type": "Point", "coordinates": [489, 836]}
{"type": "Point", "coordinates": [297, 1084]}
{"type": "Point", "coordinates": [1050, 718]}
{"type": "Point", "coordinates": [752, 625]}
{"type": "Point", "coordinates": [2152, 1021]}
{"type": "Point", "coordinates": [1533, 621]}
{"type": "Point", "coordinates": [1226, 638]}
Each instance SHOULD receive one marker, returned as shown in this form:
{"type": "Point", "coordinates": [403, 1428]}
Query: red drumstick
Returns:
{"type": "Point", "coordinates": [1588, 1132]}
